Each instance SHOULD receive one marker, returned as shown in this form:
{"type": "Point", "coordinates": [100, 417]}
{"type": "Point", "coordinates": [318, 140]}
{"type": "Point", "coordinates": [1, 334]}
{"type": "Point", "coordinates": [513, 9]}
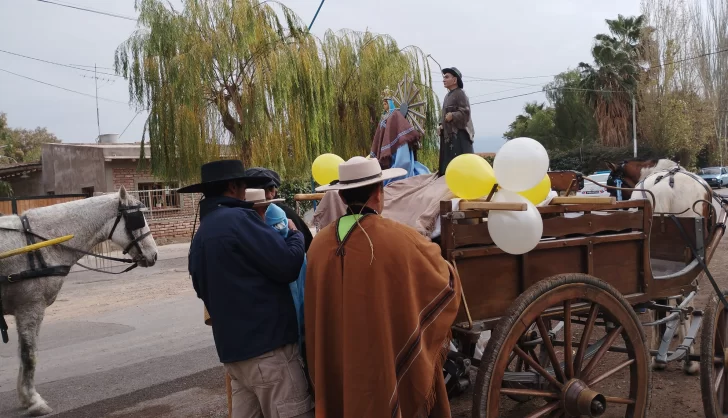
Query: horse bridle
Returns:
{"type": "Point", "coordinates": [133, 221]}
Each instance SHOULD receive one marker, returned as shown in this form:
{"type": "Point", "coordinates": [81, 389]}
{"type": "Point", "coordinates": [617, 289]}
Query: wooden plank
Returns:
{"type": "Point", "coordinates": [591, 224]}
{"type": "Point", "coordinates": [6, 207]}
{"type": "Point", "coordinates": [474, 204]}
{"type": "Point", "coordinates": [465, 235]}
{"type": "Point", "coordinates": [574, 200]}
{"type": "Point", "coordinates": [304, 197]}
{"type": "Point", "coordinates": [28, 204]}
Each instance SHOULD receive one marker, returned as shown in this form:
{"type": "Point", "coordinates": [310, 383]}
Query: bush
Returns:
{"type": "Point", "coordinates": [292, 187]}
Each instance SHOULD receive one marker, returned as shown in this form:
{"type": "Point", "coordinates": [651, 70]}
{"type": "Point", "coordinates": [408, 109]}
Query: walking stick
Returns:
{"type": "Point", "coordinates": [228, 380]}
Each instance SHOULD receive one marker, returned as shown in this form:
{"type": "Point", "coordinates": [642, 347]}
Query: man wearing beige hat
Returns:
{"type": "Point", "coordinates": [241, 268]}
{"type": "Point", "coordinates": [379, 303]}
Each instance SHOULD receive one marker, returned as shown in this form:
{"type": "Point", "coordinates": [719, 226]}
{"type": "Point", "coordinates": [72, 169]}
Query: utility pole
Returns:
{"type": "Point", "coordinates": [634, 124]}
{"type": "Point", "coordinates": [96, 80]}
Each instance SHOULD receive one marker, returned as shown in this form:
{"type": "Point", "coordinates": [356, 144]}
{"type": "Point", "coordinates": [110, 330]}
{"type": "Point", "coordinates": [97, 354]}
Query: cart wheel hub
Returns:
{"type": "Point", "coordinates": [579, 400]}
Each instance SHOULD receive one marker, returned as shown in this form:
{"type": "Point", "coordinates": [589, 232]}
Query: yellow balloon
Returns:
{"type": "Point", "coordinates": [538, 193]}
{"type": "Point", "coordinates": [469, 176]}
{"type": "Point", "coordinates": [325, 168]}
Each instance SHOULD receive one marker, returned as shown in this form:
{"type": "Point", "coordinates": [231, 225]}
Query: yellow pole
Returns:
{"type": "Point", "coordinates": [35, 247]}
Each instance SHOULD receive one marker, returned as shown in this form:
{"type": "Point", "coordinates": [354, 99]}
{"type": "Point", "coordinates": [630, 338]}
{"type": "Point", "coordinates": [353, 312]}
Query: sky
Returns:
{"type": "Point", "coordinates": [483, 39]}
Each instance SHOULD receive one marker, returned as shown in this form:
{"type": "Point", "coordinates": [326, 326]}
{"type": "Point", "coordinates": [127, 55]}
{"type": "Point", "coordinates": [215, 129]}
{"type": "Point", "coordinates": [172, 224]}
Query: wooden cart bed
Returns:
{"type": "Point", "coordinates": [642, 256]}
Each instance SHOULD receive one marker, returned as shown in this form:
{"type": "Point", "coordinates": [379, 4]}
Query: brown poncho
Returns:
{"type": "Point", "coordinates": [378, 331]}
{"type": "Point", "coordinates": [392, 133]}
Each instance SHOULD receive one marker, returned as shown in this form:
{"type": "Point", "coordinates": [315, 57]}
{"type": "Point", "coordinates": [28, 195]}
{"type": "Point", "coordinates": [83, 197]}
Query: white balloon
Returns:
{"type": "Point", "coordinates": [515, 232]}
{"type": "Point", "coordinates": [520, 164]}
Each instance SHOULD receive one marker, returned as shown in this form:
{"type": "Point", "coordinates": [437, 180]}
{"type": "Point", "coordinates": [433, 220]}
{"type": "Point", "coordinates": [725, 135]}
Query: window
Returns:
{"type": "Point", "coordinates": [51, 193]}
{"type": "Point", "coordinates": [158, 196]}
{"type": "Point", "coordinates": [88, 191]}
{"type": "Point", "coordinates": [724, 171]}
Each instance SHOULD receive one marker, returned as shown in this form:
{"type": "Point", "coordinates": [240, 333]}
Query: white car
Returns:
{"type": "Point", "coordinates": [592, 190]}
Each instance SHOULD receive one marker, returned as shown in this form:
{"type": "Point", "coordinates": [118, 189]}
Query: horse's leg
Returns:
{"type": "Point", "coordinates": [28, 323]}
{"type": "Point", "coordinates": [689, 367]}
{"type": "Point", "coordinates": [655, 339]}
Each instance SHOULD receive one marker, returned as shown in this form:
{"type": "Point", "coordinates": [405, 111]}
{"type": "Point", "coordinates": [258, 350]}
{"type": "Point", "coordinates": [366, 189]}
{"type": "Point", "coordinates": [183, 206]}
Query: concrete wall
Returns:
{"type": "Point", "coordinates": [68, 169]}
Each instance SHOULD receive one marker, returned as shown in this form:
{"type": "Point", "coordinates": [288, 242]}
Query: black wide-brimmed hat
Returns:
{"type": "Point", "coordinates": [220, 171]}
{"type": "Point", "coordinates": [454, 71]}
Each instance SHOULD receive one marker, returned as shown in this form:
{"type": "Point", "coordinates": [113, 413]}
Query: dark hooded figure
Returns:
{"type": "Point", "coordinates": [456, 126]}
{"type": "Point", "coordinates": [271, 192]}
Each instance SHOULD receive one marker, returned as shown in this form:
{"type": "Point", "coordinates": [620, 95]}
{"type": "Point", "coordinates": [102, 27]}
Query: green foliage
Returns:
{"type": "Point", "coordinates": [22, 145]}
{"type": "Point", "coordinates": [593, 157]}
{"type": "Point", "coordinates": [290, 188]}
{"type": "Point", "coordinates": [5, 189]}
{"type": "Point", "coordinates": [245, 78]}
{"type": "Point", "coordinates": [537, 122]}
{"type": "Point", "coordinates": [573, 121]}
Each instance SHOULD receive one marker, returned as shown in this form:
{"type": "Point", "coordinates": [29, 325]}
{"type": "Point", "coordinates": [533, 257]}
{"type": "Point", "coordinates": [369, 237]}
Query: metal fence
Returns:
{"type": "Point", "coordinates": [166, 204]}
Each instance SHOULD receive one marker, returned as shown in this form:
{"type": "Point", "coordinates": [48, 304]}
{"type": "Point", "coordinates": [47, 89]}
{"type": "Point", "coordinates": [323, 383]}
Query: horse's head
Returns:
{"type": "Point", "coordinates": [131, 232]}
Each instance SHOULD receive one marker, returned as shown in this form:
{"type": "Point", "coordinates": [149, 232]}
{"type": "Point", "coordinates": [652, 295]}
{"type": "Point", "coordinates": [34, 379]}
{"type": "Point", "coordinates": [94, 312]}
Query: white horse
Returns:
{"type": "Point", "coordinates": [676, 191]}
{"type": "Point", "coordinates": [114, 216]}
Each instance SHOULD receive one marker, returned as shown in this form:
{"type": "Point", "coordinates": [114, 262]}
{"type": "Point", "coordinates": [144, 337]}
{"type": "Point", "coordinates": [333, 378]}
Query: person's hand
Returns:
{"type": "Point", "coordinates": [448, 117]}
{"type": "Point", "coordinates": [292, 226]}
{"type": "Point", "coordinates": [439, 129]}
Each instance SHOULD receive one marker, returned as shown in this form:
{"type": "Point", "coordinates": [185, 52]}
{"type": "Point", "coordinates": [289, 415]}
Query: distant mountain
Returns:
{"type": "Point", "coordinates": [488, 143]}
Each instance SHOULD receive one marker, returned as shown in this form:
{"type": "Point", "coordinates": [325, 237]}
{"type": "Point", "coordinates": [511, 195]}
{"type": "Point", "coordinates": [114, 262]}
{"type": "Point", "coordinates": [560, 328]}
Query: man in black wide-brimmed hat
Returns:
{"type": "Point", "coordinates": [456, 127]}
{"type": "Point", "coordinates": [241, 268]}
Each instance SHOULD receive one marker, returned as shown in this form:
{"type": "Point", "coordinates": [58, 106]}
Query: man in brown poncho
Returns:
{"type": "Point", "coordinates": [456, 127]}
{"type": "Point", "coordinates": [379, 304]}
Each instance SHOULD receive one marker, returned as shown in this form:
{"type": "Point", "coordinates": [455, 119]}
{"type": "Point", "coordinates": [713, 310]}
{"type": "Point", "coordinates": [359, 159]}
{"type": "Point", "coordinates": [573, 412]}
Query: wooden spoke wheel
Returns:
{"type": "Point", "coordinates": [592, 369]}
{"type": "Point", "coordinates": [713, 346]}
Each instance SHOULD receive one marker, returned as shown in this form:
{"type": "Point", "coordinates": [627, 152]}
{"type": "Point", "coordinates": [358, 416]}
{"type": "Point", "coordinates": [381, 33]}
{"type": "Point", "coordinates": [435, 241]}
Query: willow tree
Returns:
{"type": "Point", "coordinates": [238, 78]}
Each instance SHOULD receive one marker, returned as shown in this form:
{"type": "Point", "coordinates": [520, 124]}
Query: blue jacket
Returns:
{"type": "Point", "coordinates": [241, 268]}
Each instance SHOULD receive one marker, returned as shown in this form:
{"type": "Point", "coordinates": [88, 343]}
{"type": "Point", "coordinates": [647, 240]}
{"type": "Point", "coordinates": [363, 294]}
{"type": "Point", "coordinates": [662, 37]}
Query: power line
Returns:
{"type": "Point", "coordinates": [316, 15]}
{"type": "Point", "coordinates": [57, 63]}
{"type": "Point", "coordinates": [606, 91]}
{"type": "Point", "coordinates": [89, 10]}
{"type": "Point", "coordinates": [62, 88]}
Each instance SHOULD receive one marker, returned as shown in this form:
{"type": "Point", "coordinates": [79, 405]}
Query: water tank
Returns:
{"type": "Point", "coordinates": [108, 138]}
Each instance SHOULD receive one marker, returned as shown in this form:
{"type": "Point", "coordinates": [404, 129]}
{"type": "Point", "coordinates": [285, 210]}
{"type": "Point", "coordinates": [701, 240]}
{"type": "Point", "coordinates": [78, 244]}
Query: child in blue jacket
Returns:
{"type": "Point", "coordinates": [276, 218]}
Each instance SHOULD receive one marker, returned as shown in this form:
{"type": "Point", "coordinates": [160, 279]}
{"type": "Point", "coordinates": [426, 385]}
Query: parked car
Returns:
{"type": "Point", "coordinates": [714, 176]}
{"type": "Point", "coordinates": [592, 190]}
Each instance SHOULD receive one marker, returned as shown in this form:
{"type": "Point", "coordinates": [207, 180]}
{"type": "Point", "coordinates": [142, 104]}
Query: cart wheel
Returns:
{"type": "Point", "coordinates": [616, 374]}
{"type": "Point", "coordinates": [713, 345]}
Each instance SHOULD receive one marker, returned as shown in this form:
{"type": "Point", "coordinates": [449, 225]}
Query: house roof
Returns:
{"type": "Point", "coordinates": [18, 169]}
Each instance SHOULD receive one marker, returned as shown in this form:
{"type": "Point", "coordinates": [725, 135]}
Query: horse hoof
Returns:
{"type": "Point", "coordinates": [659, 366]}
{"type": "Point", "coordinates": [39, 407]}
{"type": "Point", "coordinates": [691, 369]}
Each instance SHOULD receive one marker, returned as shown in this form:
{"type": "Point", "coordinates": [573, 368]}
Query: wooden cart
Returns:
{"type": "Point", "coordinates": [572, 302]}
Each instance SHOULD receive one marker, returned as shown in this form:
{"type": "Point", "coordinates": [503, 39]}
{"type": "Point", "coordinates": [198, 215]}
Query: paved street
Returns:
{"type": "Point", "coordinates": [134, 345]}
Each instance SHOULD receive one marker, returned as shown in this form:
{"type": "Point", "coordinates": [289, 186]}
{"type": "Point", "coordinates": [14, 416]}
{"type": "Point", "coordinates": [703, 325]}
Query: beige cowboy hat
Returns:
{"type": "Point", "coordinates": [359, 172]}
{"type": "Point", "coordinates": [257, 198]}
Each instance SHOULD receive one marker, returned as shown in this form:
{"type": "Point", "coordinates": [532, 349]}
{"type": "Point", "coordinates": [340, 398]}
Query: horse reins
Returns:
{"type": "Point", "coordinates": [133, 221]}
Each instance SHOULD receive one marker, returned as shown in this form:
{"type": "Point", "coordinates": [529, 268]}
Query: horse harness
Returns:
{"type": "Point", "coordinates": [133, 221]}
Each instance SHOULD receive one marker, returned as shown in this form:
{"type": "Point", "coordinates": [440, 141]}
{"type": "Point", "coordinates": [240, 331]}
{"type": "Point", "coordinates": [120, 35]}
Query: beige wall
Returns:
{"type": "Point", "coordinates": [68, 169]}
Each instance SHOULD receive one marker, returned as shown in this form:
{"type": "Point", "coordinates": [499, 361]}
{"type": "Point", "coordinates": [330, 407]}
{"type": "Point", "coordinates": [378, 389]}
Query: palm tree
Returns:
{"type": "Point", "coordinates": [613, 78]}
